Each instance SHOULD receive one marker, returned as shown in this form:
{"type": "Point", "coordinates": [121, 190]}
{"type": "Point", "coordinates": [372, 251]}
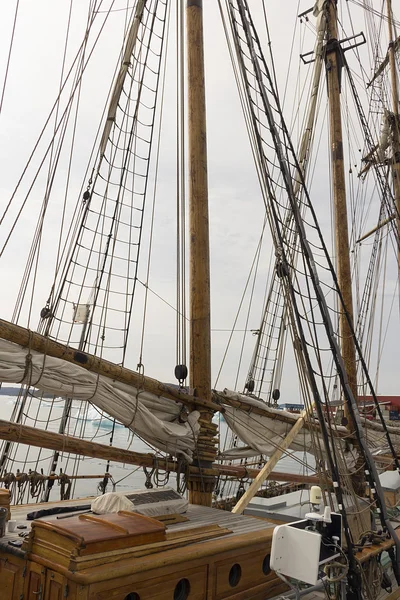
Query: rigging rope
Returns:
{"type": "Point", "coordinates": [3, 91]}
{"type": "Point", "coordinates": [286, 158]}
{"type": "Point", "coordinates": [111, 239]}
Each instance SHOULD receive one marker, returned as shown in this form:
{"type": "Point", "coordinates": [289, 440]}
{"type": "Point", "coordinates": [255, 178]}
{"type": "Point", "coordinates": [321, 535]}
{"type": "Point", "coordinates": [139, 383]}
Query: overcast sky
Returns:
{"type": "Point", "coordinates": [236, 208]}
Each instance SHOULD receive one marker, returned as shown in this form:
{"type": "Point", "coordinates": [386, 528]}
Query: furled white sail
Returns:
{"type": "Point", "coordinates": [155, 419]}
{"type": "Point", "coordinates": [263, 434]}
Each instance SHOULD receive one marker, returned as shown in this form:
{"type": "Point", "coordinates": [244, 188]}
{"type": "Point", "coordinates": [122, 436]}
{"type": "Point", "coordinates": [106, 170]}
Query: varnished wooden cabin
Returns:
{"type": "Point", "coordinates": [204, 554]}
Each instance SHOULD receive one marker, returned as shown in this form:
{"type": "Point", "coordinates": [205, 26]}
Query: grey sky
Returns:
{"type": "Point", "coordinates": [236, 210]}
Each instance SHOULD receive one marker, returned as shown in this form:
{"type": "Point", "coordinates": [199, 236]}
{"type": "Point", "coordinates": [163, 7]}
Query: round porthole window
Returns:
{"type": "Point", "coordinates": [182, 590]}
{"type": "Point", "coordinates": [235, 574]}
{"type": "Point", "coordinates": [266, 568]}
{"type": "Point", "coordinates": [132, 596]}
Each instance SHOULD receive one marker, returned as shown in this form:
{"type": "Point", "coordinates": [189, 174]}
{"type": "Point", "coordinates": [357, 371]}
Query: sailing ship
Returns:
{"type": "Point", "coordinates": [82, 347]}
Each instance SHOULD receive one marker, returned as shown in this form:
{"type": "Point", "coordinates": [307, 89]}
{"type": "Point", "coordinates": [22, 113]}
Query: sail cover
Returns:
{"type": "Point", "coordinates": [263, 433]}
{"type": "Point", "coordinates": [155, 419]}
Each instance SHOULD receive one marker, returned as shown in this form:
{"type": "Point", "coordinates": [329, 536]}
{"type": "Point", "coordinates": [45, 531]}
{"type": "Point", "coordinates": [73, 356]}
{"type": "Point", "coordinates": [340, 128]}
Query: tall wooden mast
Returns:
{"type": "Point", "coordinates": [395, 124]}
{"type": "Point", "coordinates": [333, 59]}
{"type": "Point", "coordinates": [200, 488]}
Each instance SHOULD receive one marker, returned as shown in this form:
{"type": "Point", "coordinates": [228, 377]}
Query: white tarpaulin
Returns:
{"type": "Point", "coordinates": [111, 502]}
{"type": "Point", "coordinates": [145, 502]}
{"type": "Point", "coordinates": [155, 419]}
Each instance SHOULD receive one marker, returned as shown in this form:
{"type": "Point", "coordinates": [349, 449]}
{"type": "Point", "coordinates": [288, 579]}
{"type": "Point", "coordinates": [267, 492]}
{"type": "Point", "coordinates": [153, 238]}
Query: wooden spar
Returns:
{"type": "Point", "coordinates": [333, 59]}
{"type": "Point", "coordinates": [396, 126]}
{"type": "Point", "coordinates": [200, 354]}
{"type": "Point", "coordinates": [392, 60]}
{"type": "Point", "coordinates": [384, 63]}
{"type": "Point", "coordinates": [268, 467]}
{"type": "Point", "coordinates": [119, 83]}
{"type": "Point", "coordinates": [23, 434]}
{"type": "Point", "coordinates": [21, 477]}
{"type": "Point", "coordinates": [200, 489]}
{"type": "Point", "coordinates": [305, 146]}
{"type": "Point", "coordinates": [48, 347]}
{"type": "Point", "coordinates": [379, 226]}
{"type": "Point", "coordinates": [238, 472]}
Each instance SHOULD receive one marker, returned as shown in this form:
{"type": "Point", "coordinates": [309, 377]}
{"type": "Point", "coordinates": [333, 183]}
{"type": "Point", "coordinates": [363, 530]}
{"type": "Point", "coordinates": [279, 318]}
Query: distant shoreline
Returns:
{"type": "Point", "coordinates": [9, 391]}
{"type": "Point", "coordinates": [15, 391]}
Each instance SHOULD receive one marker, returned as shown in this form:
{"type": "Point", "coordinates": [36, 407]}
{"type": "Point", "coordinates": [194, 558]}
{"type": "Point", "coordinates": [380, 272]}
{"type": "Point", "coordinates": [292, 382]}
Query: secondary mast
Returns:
{"type": "Point", "coordinates": [333, 59]}
{"type": "Point", "coordinates": [200, 488]}
{"type": "Point", "coordinates": [396, 124]}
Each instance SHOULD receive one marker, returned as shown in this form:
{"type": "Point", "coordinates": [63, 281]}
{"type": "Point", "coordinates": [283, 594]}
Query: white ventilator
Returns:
{"type": "Point", "coordinates": [320, 533]}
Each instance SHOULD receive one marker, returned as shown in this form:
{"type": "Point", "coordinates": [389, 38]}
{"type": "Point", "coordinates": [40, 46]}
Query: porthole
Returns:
{"type": "Point", "coordinates": [132, 596]}
{"type": "Point", "coordinates": [182, 590]}
{"type": "Point", "coordinates": [266, 568]}
{"type": "Point", "coordinates": [235, 574]}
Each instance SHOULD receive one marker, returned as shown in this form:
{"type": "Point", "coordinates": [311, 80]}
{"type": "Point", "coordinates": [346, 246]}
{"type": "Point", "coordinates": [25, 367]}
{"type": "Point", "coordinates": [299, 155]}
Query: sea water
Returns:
{"type": "Point", "coordinates": [92, 426]}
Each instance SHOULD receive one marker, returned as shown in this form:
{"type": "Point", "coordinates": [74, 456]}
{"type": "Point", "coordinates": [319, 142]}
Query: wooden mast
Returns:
{"type": "Point", "coordinates": [200, 488]}
{"type": "Point", "coordinates": [395, 126]}
{"type": "Point", "coordinates": [333, 58]}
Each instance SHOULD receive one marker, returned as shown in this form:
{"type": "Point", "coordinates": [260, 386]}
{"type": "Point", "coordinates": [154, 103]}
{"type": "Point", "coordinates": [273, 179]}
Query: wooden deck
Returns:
{"type": "Point", "coordinates": [196, 515]}
{"type": "Point", "coordinates": [205, 560]}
